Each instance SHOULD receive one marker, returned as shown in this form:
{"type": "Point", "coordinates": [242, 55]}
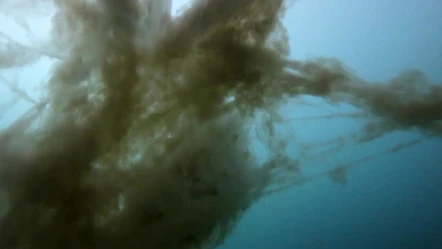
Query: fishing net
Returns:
{"type": "Point", "coordinates": [145, 132]}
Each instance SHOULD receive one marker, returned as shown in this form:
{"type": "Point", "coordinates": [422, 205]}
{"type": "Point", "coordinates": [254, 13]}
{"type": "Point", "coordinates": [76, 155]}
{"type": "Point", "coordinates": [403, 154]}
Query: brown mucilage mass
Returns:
{"type": "Point", "coordinates": [144, 141]}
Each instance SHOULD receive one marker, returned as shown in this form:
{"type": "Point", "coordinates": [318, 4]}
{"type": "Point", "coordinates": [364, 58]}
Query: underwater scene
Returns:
{"type": "Point", "coordinates": [227, 124]}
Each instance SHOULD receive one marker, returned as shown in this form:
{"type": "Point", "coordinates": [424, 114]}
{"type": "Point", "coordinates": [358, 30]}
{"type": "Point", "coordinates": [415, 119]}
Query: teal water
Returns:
{"type": "Point", "coordinates": [391, 202]}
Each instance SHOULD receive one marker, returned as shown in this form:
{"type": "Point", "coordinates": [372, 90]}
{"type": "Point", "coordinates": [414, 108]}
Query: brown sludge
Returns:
{"type": "Point", "coordinates": [140, 148]}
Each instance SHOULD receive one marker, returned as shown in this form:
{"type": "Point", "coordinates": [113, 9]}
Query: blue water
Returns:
{"type": "Point", "coordinates": [394, 201]}
{"type": "Point", "coordinates": [391, 202]}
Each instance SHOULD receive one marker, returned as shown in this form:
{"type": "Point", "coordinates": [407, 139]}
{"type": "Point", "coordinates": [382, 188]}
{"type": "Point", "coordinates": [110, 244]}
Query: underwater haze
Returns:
{"type": "Point", "coordinates": [391, 202]}
{"type": "Point", "coordinates": [389, 192]}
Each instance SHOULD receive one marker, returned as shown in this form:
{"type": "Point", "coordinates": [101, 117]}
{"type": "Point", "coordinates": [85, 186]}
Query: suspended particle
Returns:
{"type": "Point", "coordinates": [338, 175]}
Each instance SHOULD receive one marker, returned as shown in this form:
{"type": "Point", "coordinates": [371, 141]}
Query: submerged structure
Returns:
{"type": "Point", "coordinates": [142, 138]}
